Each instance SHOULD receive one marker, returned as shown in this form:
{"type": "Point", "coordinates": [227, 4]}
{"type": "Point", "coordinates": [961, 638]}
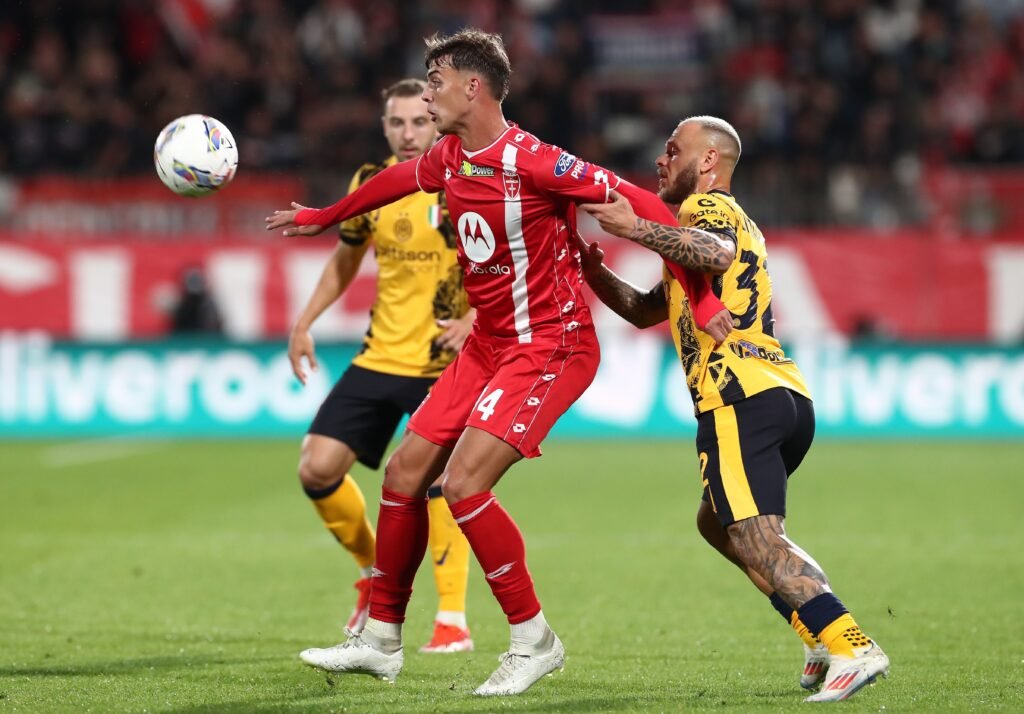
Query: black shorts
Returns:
{"type": "Point", "coordinates": [364, 408]}
{"type": "Point", "coordinates": [748, 450]}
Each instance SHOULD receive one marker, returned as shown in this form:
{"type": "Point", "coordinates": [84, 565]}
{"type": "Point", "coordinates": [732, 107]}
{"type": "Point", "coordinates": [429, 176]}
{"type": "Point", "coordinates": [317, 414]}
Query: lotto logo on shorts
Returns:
{"type": "Point", "coordinates": [548, 377]}
{"type": "Point", "coordinates": [533, 402]}
{"type": "Point", "coordinates": [568, 306]}
{"type": "Point", "coordinates": [572, 326]}
{"type": "Point", "coordinates": [519, 428]}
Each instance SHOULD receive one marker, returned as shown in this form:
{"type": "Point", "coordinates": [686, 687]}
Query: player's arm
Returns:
{"type": "Point", "coordinates": [456, 331]}
{"type": "Point", "coordinates": [335, 278]}
{"type": "Point", "coordinates": [386, 187]}
{"type": "Point", "coordinates": [585, 183]}
{"type": "Point", "coordinates": [709, 313]}
{"type": "Point", "coordinates": [638, 307]}
{"type": "Point", "coordinates": [692, 248]}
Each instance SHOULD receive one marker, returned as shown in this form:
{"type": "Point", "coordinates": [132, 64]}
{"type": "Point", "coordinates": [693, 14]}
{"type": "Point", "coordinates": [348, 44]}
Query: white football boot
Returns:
{"type": "Point", "coordinates": [519, 670]}
{"type": "Point", "coordinates": [848, 675]}
{"type": "Point", "coordinates": [355, 656]}
{"type": "Point", "coordinates": [816, 661]}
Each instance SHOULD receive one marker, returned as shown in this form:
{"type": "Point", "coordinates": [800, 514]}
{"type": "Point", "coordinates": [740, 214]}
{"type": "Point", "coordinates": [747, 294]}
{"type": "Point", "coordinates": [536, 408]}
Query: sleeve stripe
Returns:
{"type": "Point", "coordinates": [418, 160]}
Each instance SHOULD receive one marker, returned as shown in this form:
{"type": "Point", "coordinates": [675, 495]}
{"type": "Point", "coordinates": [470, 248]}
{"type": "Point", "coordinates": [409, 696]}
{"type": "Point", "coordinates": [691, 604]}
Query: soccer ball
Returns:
{"type": "Point", "coordinates": [195, 155]}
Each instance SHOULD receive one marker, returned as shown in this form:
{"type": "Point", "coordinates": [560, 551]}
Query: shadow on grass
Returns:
{"type": "Point", "coordinates": [431, 699]}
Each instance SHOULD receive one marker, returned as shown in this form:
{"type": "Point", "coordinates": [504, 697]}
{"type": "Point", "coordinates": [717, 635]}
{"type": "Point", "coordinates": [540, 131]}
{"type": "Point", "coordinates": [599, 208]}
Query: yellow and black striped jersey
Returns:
{"type": "Point", "coordinates": [751, 360]}
{"type": "Point", "coordinates": [419, 280]}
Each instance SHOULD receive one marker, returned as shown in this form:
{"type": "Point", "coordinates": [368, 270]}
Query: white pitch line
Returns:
{"type": "Point", "coordinates": [91, 451]}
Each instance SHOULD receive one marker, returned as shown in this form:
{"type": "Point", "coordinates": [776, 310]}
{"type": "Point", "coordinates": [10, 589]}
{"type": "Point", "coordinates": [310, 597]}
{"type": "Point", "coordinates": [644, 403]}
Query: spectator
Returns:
{"type": "Point", "coordinates": [196, 312]}
{"type": "Point", "coordinates": [854, 95]}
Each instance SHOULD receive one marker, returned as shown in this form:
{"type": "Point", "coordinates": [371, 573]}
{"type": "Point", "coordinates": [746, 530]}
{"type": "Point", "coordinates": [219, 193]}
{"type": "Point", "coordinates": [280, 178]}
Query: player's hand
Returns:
{"type": "Point", "coordinates": [300, 344]}
{"type": "Point", "coordinates": [591, 256]}
{"type": "Point", "coordinates": [284, 219]}
{"type": "Point", "coordinates": [719, 326]}
{"type": "Point", "coordinates": [616, 216]}
{"type": "Point", "coordinates": [455, 331]}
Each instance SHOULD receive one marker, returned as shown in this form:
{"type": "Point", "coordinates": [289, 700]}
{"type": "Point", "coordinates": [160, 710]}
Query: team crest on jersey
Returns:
{"type": "Point", "coordinates": [565, 162]}
{"type": "Point", "coordinates": [474, 171]}
{"type": "Point", "coordinates": [402, 229]}
{"type": "Point", "coordinates": [477, 237]}
{"type": "Point", "coordinates": [512, 183]}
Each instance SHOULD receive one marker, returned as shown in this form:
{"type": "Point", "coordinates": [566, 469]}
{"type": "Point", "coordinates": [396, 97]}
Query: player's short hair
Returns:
{"type": "Point", "coordinates": [408, 87]}
{"type": "Point", "coordinates": [719, 126]}
{"type": "Point", "coordinates": [475, 50]}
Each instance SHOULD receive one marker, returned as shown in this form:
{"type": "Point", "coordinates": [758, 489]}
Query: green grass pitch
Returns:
{"type": "Point", "coordinates": [186, 576]}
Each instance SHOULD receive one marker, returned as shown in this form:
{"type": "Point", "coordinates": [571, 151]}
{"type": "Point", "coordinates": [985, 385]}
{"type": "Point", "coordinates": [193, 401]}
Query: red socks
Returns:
{"type": "Point", "coordinates": [402, 529]}
{"type": "Point", "coordinates": [499, 548]}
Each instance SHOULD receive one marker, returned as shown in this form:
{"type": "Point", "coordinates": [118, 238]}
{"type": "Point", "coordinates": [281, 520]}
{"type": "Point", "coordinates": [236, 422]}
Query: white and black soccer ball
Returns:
{"type": "Point", "coordinates": [195, 155]}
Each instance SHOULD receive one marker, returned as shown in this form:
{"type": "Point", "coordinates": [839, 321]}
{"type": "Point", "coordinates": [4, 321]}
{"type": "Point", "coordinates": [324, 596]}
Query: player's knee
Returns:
{"type": "Point", "coordinates": [400, 474]}
{"type": "Point", "coordinates": [316, 474]}
{"type": "Point", "coordinates": [457, 483]}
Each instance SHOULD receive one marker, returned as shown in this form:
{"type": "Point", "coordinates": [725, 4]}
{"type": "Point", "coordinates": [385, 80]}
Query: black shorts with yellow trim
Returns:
{"type": "Point", "coordinates": [365, 407]}
{"type": "Point", "coordinates": [747, 451]}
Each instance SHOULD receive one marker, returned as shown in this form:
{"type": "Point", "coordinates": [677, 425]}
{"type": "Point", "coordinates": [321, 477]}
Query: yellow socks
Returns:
{"type": "Point", "coordinates": [343, 510]}
{"type": "Point", "coordinates": [449, 552]}
{"type": "Point", "coordinates": [826, 617]}
{"type": "Point", "coordinates": [844, 637]}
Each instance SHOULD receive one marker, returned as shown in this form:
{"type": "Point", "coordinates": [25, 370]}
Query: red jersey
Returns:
{"type": "Point", "coordinates": [513, 207]}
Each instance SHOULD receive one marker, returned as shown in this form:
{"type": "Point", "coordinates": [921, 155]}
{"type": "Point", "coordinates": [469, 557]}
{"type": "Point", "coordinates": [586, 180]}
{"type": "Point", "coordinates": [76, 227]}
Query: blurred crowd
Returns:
{"type": "Point", "coordinates": [842, 104]}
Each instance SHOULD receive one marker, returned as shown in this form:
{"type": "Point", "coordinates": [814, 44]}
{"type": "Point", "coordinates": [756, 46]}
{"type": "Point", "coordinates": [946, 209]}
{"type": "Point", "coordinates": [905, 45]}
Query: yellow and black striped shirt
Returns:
{"type": "Point", "coordinates": [419, 280]}
{"type": "Point", "coordinates": [751, 360]}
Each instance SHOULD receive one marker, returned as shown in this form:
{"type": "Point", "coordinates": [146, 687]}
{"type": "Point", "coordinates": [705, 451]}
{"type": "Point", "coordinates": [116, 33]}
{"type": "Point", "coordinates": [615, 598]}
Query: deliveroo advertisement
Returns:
{"type": "Point", "coordinates": [219, 389]}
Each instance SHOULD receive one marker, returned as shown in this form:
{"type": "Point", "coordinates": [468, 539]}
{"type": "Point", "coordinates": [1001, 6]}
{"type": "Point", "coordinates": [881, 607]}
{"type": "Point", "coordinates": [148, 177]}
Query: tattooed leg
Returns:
{"type": "Point", "coordinates": [761, 543]}
{"type": "Point", "coordinates": [718, 538]}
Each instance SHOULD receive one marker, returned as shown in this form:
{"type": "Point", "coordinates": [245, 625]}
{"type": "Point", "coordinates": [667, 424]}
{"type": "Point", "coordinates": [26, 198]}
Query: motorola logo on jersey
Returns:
{"type": "Point", "coordinates": [490, 269]}
{"type": "Point", "coordinates": [477, 237]}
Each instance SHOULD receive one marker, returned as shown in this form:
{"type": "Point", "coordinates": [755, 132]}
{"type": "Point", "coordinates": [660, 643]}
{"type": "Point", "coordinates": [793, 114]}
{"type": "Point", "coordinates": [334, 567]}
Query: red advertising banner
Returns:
{"type": "Point", "coordinates": [123, 286]}
{"type": "Point", "coordinates": [73, 209]}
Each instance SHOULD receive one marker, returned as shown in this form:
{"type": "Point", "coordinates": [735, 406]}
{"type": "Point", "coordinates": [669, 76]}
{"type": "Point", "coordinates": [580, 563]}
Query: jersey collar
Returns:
{"type": "Point", "coordinates": [471, 154]}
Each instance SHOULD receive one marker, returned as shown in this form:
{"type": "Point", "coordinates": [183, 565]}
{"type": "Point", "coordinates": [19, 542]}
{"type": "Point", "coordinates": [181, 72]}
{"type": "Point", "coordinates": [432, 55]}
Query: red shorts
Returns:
{"type": "Point", "coordinates": [514, 391]}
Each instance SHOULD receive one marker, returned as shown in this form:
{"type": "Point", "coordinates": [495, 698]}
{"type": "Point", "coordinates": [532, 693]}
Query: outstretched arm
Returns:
{"type": "Point", "coordinates": [638, 307]}
{"type": "Point", "coordinates": [386, 187]}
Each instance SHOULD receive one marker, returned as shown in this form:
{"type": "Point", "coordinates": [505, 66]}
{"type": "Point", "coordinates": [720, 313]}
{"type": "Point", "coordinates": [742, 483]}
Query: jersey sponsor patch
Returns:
{"type": "Point", "coordinates": [579, 169]}
{"type": "Point", "coordinates": [474, 171]}
{"type": "Point", "coordinates": [565, 162]}
{"type": "Point", "coordinates": [477, 237]}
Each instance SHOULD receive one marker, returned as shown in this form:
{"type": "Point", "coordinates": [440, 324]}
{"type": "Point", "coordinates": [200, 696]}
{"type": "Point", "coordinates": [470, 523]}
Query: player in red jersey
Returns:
{"type": "Point", "coordinates": [532, 352]}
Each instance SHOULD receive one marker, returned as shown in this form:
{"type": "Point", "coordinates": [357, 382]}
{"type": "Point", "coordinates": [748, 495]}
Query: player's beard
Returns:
{"type": "Point", "coordinates": [684, 185]}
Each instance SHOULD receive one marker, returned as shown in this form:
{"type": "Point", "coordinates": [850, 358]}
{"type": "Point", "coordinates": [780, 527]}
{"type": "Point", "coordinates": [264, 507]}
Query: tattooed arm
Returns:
{"type": "Point", "coordinates": [698, 250]}
{"type": "Point", "coordinates": [640, 308]}
{"type": "Point", "coordinates": [693, 248]}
